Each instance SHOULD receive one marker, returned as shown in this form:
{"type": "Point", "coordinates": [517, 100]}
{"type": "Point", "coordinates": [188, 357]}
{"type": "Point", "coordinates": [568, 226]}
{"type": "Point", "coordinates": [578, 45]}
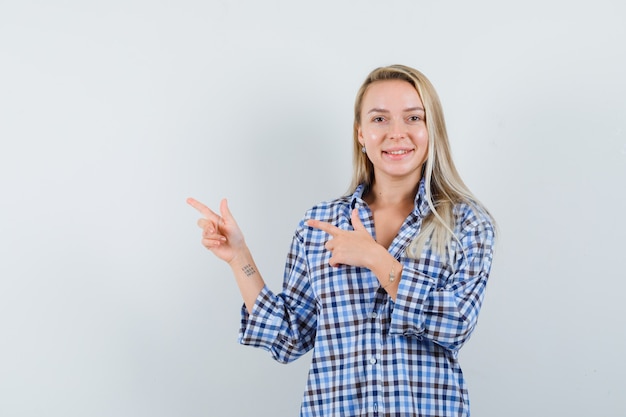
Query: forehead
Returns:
{"type": "Point", "coordinates": [391, 94]}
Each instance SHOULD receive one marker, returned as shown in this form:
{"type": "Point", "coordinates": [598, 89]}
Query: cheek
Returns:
{"type": "Point", "coordinates": [371, 135]}
{"type": "Point", "coordinates": [423, 137]}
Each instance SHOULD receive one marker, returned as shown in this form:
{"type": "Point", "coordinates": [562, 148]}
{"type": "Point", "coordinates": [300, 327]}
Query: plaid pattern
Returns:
{"type": "Point", "coordinates": [373, 356]}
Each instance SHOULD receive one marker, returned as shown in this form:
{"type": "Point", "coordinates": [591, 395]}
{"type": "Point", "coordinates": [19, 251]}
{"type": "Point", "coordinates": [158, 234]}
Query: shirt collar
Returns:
{"type": "Point", "coordinates": [421, 203]}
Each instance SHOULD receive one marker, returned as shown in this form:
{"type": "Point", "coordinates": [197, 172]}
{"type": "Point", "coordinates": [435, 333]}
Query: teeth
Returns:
{"type": "Point", "coordinates": [397, 152]}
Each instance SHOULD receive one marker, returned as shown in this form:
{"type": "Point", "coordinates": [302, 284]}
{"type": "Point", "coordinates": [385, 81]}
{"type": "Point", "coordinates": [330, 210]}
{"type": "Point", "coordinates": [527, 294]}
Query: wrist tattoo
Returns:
{"type": "Point", "coordinates": [248, 270]}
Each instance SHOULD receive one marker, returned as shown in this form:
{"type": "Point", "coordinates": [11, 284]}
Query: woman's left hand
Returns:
{"type": "Point", "coordinates": [349, 247]}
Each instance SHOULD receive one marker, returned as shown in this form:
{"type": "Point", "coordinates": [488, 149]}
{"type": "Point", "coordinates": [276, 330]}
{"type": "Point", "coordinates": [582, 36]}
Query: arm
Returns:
{"type": "Point", "coordinates": [446, 314]}
{"type": "Point", "coordinates": [284, 324]}
{"type": "Point", "coordinates": [222, 236]}
{"type": "Point", "coordinates": [358, 248]}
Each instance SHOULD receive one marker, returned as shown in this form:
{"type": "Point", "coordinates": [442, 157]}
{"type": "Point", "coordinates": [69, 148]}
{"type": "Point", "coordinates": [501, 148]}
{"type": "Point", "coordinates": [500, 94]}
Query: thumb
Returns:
{"type": "Point", "coordinates": [357, 224]}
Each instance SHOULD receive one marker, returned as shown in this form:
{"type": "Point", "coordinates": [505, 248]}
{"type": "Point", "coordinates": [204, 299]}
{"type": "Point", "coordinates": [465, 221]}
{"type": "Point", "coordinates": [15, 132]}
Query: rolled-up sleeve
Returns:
{"type": "Point", "coordinates": [283, 324]}
{"type": "Point", "coordinates": [442, 308]}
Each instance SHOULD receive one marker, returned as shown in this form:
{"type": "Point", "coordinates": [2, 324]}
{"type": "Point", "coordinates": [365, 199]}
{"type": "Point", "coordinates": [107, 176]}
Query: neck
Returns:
{"type": "Point", "coordinates": [389, 192]}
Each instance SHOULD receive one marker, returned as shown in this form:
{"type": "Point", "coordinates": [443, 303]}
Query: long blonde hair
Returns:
{"type": "Point", "coordinates": [444, 186]}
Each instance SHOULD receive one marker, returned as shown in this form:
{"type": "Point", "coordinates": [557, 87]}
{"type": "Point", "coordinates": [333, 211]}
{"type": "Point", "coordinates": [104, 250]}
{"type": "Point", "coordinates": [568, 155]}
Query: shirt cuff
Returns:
{"type": "Point", "coordinates": [260, 328]}
{"type": "Point", "coordinates": [407, 317]}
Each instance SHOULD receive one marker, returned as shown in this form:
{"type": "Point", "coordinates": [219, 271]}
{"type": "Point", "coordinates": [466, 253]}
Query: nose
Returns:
{"type": "Point", "coordinates": [397, 129]}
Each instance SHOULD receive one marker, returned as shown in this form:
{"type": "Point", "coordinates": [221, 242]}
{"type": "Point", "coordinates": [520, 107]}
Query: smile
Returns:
{"type": "Point", "coordinates": [400, 152]}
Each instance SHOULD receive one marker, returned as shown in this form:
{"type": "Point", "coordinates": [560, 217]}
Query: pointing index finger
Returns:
{"type": "Point", "coordinates": [204, 210]}
{"type": "Point", "coordinates": [323, 226]}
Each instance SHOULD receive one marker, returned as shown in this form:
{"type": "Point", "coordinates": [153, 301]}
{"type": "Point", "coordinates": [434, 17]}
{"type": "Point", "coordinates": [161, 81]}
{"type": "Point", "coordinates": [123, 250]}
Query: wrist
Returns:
{"type": "Point", "coordinates": [242, 257]}
{"type": "Point", "coordinates": [394, 275]}
{"type": "Point", "coordinates": [387, 269]}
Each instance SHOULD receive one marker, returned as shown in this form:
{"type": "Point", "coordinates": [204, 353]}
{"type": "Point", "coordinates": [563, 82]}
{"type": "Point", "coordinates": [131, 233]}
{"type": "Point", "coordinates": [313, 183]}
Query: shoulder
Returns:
{"type": "Point", "coordinates": [473, 218]}
{"type": "Point", "coordinates": [329, 211]}
{"type": "Point", "coordinates": [335, 212]}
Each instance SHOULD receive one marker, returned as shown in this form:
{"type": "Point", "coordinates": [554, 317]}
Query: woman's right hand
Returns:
{"type": "Point", "coordinates": [220, 234]}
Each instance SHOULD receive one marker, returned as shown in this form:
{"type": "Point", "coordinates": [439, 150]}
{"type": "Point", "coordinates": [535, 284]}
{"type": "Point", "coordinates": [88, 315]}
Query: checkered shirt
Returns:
{"type": "Point", "coordinates": [373, 356]}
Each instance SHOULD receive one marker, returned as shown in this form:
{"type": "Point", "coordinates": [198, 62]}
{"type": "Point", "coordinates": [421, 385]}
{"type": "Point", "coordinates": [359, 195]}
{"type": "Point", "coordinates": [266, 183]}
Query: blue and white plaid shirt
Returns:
{"type": "Point", "coordinates": [373, 356]}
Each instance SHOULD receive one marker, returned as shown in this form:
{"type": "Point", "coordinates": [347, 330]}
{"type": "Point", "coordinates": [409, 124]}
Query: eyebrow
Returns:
{"type": "Point", "coordinates": [378, 110]}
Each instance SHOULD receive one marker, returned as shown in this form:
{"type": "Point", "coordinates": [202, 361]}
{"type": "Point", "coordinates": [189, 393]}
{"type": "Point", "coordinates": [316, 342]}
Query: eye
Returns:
{"type": "Point", "coordinates": [378, 119]}
{"type": "Point", "coordinates": [414, 118]}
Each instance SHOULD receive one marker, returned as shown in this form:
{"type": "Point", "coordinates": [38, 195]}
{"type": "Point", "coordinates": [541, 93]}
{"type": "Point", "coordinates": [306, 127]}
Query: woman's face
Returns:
{"type": "Point", "coordinates": [393, 130]}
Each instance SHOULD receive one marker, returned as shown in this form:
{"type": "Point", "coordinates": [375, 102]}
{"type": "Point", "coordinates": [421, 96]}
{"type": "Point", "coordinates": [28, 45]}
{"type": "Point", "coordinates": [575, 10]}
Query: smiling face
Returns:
{"type": "Point", "coordinates": [393, 130]}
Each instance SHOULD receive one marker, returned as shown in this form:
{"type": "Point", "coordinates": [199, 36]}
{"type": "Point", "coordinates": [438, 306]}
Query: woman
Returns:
{"type": "Point", "coordinates": [384, 284]}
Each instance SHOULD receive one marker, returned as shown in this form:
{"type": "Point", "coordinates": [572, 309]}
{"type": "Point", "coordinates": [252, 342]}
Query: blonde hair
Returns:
{"type": "Point", "coordinates": [444, 186]}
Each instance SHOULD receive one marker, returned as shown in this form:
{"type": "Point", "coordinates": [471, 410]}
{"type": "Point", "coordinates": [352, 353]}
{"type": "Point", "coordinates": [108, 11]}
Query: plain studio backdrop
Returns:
{"type": "Point", "coordinates": [113, 112]}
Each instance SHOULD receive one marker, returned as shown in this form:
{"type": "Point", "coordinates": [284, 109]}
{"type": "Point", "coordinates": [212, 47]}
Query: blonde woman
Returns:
{"type": "Point", "coordinates": [384, 284]}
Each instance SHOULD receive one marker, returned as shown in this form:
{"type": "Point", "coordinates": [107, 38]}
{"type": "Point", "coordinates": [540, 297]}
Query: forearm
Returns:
{"type": "Point", "coordinates": [445, 315]}
{"type": "Point", "coordinates": [248, 278]}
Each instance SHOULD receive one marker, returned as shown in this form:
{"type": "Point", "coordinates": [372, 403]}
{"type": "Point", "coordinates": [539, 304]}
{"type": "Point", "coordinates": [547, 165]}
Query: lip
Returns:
{"type": "Point", "coordinates": [398, 153]}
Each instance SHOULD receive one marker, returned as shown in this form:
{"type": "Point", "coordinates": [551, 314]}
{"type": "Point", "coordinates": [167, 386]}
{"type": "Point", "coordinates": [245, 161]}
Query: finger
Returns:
{"type": "Point", "coordinates": [333, 262]}
{"type": "Point", "coordinates": [213, 234]}
{"type": "Point", "coordinates": [211, 243]}
{"type": "Point", "coordinates": [206, 225]}
{"type": "Point", "coordinates": [357, 224]}
{"type": "Point", "coordinates": [204, 210]}
{"type": "Point", "coordinates": [225, 211]}
{"type": "Point", "coordinates": [323, 226]}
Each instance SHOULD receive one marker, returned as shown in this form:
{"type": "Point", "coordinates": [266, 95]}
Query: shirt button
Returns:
{"type": "Point", "coordinates": [373, 315]}
{"type": "Point", "coordinates": [373, 361]}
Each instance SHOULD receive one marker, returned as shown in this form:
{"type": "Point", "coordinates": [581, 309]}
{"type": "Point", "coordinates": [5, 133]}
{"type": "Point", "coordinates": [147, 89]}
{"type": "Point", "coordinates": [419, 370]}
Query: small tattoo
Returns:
{"type": "Point", "coordinates": [248, 270]}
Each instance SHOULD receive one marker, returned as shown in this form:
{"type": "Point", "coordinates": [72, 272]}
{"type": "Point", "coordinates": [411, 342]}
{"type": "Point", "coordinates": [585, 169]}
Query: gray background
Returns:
{"type": "Point", "coordinates": [112, 113]}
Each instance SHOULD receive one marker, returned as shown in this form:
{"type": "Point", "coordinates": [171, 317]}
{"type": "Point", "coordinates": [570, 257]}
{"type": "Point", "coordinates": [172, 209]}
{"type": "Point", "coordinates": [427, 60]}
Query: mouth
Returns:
{"type": "Point", "coordinates": [397, 153]}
